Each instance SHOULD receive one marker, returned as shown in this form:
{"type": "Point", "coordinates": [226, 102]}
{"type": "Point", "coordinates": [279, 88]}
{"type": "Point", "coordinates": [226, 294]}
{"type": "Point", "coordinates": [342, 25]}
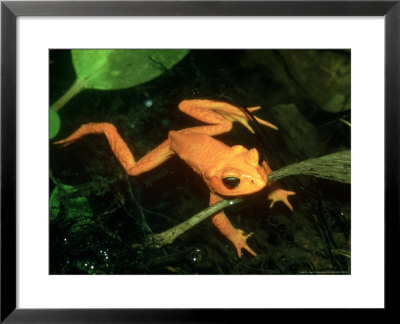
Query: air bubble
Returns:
{"type": "Point", "coordinates": [197, 254]}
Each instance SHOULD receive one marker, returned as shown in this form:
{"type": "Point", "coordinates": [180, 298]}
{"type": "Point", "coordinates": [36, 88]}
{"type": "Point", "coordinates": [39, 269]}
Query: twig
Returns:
{"type": "Point", "coordinates": [168, 237]}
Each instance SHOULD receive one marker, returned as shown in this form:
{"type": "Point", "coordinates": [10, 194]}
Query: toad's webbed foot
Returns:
{"type": "Point", "coordinates": [279, 194]}
{"type": "Point", "coordinates": [238, 239]}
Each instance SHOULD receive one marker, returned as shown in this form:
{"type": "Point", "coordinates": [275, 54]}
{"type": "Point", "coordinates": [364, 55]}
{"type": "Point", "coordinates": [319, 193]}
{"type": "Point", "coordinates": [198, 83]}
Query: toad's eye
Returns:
{"type": "Point", "coordinates": [231, 182]}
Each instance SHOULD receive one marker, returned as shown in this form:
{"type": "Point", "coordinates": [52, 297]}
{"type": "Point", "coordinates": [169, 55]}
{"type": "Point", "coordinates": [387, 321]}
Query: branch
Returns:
{"type": "Point", "coordinates": [333, 167]}
{"type": "Point", "coordinates": [168, 237]}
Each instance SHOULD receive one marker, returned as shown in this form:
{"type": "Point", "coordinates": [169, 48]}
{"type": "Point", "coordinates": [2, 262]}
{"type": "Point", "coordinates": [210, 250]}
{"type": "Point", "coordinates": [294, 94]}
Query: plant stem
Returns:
{"type": "Point", "coordinates": [71, 92]}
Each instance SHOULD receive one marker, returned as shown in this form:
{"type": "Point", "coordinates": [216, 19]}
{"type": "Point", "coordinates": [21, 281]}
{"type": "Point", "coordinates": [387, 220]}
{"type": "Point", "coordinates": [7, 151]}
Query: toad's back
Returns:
{"type": "Point", "coordinates": [200, 151]}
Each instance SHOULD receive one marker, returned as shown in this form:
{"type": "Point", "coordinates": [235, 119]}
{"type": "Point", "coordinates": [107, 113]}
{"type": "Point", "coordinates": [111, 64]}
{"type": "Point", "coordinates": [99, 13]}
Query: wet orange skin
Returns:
{"type": "Point", "coordinates": [210, 158]}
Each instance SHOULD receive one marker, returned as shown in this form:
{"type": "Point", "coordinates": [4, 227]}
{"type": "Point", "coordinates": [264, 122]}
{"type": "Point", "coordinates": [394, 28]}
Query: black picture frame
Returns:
{"type": "Point", "coordinates": [10, 10]}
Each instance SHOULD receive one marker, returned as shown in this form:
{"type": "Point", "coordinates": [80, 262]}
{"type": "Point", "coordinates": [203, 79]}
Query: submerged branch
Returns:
{"type": "Point", "coordinates": [333, 167]}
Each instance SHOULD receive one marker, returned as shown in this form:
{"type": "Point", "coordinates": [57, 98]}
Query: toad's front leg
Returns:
{"type": "Point", "coordinates": [275, 193]}
{"type": "Point", "coordinates": [235, 235]}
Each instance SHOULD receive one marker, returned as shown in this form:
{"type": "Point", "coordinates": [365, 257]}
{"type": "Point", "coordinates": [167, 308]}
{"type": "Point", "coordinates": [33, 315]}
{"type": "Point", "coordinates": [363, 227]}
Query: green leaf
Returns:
{"type": "Point", "coordinates": [74, 207]}
{"type": "Point", "coordinates": [55, 123]}
{"type": "Point", "coordinates": [120, 69]}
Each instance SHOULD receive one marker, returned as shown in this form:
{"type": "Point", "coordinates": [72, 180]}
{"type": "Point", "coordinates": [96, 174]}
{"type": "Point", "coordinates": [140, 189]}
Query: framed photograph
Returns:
{"type": "Point", "coordinates": [164, 158]}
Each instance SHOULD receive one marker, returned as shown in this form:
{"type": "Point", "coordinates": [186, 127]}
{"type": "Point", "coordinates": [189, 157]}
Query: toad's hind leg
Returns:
{"type": "Point", "coordinates": [199, 109]}
{"type": "Point", "coordinates": [220, 114]}
{"type": "Point", "coordinates": [121, 150]}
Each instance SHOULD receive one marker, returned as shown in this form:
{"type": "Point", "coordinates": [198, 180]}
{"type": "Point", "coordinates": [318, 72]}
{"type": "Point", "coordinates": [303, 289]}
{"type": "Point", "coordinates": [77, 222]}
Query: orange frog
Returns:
{"type": "Point", "coordinates": [227, 171]}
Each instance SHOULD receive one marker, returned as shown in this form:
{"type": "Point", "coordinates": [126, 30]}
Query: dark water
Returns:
{"type": "Point", "coordinates": [99, 215]}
